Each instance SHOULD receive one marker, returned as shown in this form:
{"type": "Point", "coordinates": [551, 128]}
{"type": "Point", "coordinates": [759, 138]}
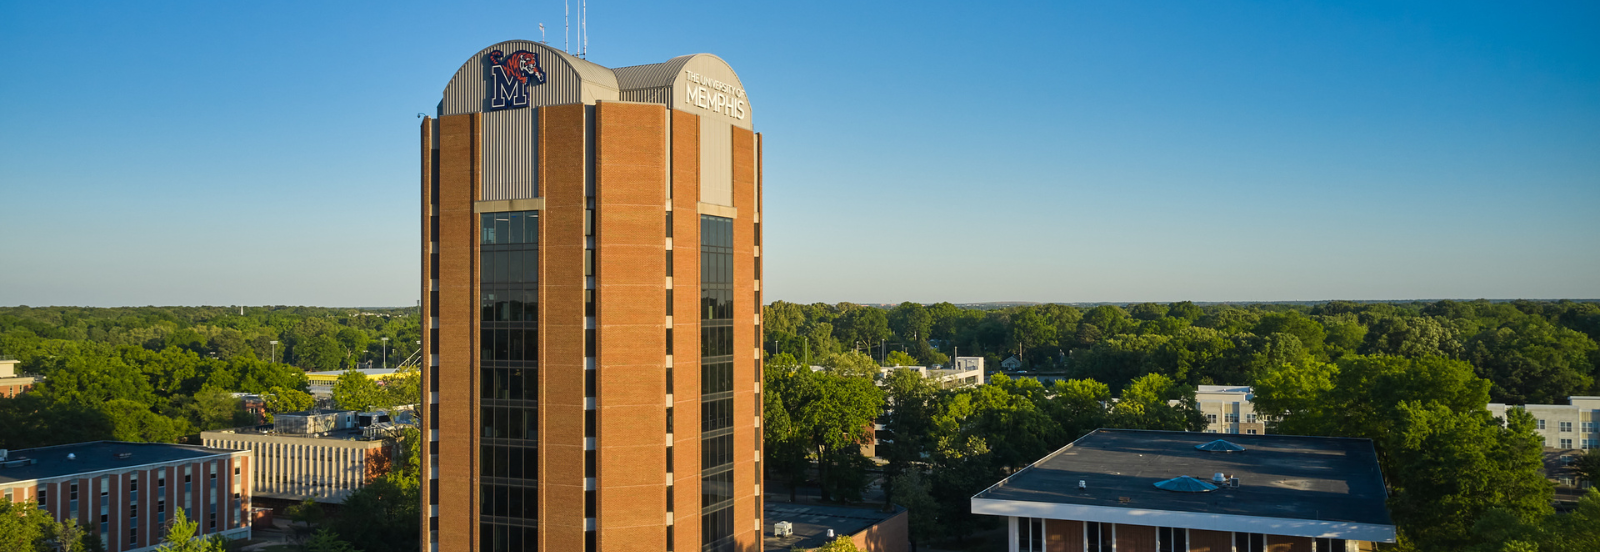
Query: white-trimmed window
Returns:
{"type": "Point", "coordinates": [1566, 443]}
{"type": "Point", "coordinates": [1541, 425]}
{"type": "Point", "coordinates": [1211, 418]}
{"type": "Point", "coordinates": [1249, 542]}
{"type": "Point", "coordinates": [1030, 534]}
{"type": "Point", "coordinates": [1566, 427]}
{"type": "Point", "coordinates": [1099, 537]}
{"type": "Point", "coordinates": [1327, 545]}
{"type": "Point", "coordinates": [1172, 539]}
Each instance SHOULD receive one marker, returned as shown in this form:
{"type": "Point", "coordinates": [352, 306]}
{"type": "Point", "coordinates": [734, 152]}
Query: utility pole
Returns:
{"type": "Point", "coordinates": [274, 351]}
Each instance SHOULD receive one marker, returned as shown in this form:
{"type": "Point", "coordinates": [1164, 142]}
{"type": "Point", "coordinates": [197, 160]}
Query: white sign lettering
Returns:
{"type": "Point", "coordinates": [711, 94]}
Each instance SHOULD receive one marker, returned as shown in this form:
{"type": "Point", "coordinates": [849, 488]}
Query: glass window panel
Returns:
{"type": "Point", "coordinates": [515, 235]}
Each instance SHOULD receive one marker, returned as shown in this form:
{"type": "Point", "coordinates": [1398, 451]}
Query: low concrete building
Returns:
{"type": "Point", "coordinates": [128, 492]}
{"type": "Point", "coordinates": [12, 384]}
{"type": "Point", "coordinates": [1116, 490]}
{"type": "Point", "coordinates": [318, 455]}
{"type": "Point", "coordinates": [792, 526]}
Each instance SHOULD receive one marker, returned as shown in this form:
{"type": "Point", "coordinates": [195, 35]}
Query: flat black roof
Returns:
{"type": "Point", "coordinates": [1280, 476]}
{"type": "Point", "coordinates": [812, 522]}
{"type": "Point", "coordinates": [97, 456]}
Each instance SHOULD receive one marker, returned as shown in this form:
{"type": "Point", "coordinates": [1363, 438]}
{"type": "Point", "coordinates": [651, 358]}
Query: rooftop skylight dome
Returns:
{"type": "Point", "coordinates": [1185, 484]}
{"type": "Point", "coordinates": [1220, 445]}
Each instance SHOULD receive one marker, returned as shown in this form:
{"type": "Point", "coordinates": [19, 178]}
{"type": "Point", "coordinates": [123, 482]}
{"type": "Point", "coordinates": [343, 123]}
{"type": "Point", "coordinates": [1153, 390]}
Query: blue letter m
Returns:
{"type": "Point", "coordinates": [508, 91]}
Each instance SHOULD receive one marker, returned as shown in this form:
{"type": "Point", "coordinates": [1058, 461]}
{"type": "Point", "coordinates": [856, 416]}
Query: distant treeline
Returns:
{"type": "Point", "coordinates": [158, 373]}
{"type": "Point", "coordinates": [1532, 351]}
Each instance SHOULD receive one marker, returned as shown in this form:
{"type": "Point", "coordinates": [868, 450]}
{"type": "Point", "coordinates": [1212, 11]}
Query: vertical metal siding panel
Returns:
{"type": "Point", "coordinates": [467, 91]}
{"type": "Point", "coordinates": [508, 156]}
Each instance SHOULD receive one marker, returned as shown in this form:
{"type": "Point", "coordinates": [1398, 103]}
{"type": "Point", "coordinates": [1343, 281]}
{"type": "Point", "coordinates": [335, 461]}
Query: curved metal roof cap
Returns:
{"type": "Point", "coordinates": [1220, 445]}
{"type": "Point", "coordinates": [586, 70]}
{"type": "Point", "coordinates": [665, 73]}
{"type": "Point", "coordinates": [1185, 484]}
{"type": "Point", "coordinates": [651, 75]}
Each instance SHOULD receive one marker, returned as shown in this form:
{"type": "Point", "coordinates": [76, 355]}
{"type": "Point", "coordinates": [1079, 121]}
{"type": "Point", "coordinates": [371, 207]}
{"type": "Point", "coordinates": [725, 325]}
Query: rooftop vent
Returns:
{"type": "Point", "coordinates": [1186, 484]}
{"type": "Point", "coordinates": [1220, 445]}
{"type": "Point", "coordinates": [124, 455]}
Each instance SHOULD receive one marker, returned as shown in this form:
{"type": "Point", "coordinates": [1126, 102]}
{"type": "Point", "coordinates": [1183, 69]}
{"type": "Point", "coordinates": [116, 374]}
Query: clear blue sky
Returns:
{"type": "Point", "coordinates": [266, 152]}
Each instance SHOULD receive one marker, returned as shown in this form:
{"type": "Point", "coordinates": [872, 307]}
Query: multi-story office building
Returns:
{"type": "Point", "coordinates": [1119, 489]}
{"type": "Point", "coordinates": [319, 455]}
{"type": "Point", "coordinates": [591, 282]}
{"type": "Point", "coordinates": [1227, 409]}
{"type": "Point", "coordinates": [128, 492]}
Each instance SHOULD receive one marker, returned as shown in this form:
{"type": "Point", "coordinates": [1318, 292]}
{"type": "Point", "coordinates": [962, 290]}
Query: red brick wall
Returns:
{"type": "Point", "coordinates": [686, 328]}
{"type": "Point", "coordinates": [458, 167]}
{"type": "Point", "coordinates": [630, 272]}
{"type": "Point", "coordinates": [890, 535]}
{"type": "Point", "coordinates": [561, 327]}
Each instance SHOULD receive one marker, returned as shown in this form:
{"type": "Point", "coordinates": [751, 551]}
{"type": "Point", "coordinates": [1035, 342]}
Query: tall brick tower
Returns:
{"type": "Point", "coordinates": [591, 277]}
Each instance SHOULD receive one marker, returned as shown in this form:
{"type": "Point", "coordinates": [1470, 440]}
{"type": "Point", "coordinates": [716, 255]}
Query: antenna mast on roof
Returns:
{"type": "Point", "coordinates": [583, 29]}
{"type": "Point", "coordinates": [541, 34]}
{"type": "Point", "coordinates": [566, 26]}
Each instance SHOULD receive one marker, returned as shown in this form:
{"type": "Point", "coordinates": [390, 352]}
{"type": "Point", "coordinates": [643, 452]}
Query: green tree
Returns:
{"type": "Point", "coordinates": [133, 421]}
{"type": "Point", "coordinates": [181, 536]}
{"type": "Point", "coordinates": [1186, 310]}
{"type": "Point", "coordinates": [862, 327]}
{"type": "Point", "coordinates": [835, 413]}
{"type": "Point", "coordinates": [1532, 361]}
{"type": "Point", "coordinates": [327, 541]}
{"type": "Point", "coordinates": [1416, 336]}
{"type": "Point", "coordinates": [404, 387]}
{"type": "Point", "coordinates": [910, 489]}
{"type": "Point", "coordinates": [852, 364]}
{"type": "Point", "coordinates": [280, 400]}
{"type": "Point", "coordinates": [1361, 396]}
{"type": "Point", "coordinates": [786, 444]}
{"type": "Point", "coordinates": [1504, 530]}
{"type": "Point", "coordinates": [911, 321]}
{"type": "Point", "coordinates": [1311, 334]}
{"type": "Point", "coordinates": [841, 544]}
{"type": "Point", "coordinates": [383, 515]}
{"type": "Point", "coordinates": [1588, 466]}
{"type": "Point", "coordinates": [24, 527]}
{"type": "Point", "coordinates": [68, 536]}
{"type": "Point", "coordinates": [214, 408]}
{"type": "Point", "coordinates": [1148, 311]}
{"type": "Point", "coordinates": [1147, 403]}
{"type": "Point", "coordinates": [897, 358]}
{"type": "Point", "coordinates": [1450, 468]}
{"type": "Point", "coordinates": [1030, 330]}
{"type": "Point", "coordinates": [355, 391]}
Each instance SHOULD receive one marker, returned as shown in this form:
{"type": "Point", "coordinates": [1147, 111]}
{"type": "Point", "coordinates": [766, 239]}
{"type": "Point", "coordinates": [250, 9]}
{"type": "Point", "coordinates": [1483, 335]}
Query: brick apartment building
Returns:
{"type": "Point", "coordinates": [128, 492]}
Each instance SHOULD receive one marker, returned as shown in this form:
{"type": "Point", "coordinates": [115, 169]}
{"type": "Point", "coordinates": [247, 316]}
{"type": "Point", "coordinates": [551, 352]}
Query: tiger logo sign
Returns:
{"type": "Point", "coordinates": [512, 76]}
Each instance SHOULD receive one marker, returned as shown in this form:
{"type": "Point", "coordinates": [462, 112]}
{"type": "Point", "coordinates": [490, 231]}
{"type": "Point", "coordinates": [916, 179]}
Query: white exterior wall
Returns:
{"type": "Point", "coordinates": [1563, 427]}
{"type": "Point", "coordinates": [294, 467]}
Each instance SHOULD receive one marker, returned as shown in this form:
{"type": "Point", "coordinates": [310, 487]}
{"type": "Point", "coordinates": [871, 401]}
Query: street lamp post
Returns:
{"type": "Point", "coordinates": [385, 352]}
{"type": "Point", "coordinates": [274, 351]}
